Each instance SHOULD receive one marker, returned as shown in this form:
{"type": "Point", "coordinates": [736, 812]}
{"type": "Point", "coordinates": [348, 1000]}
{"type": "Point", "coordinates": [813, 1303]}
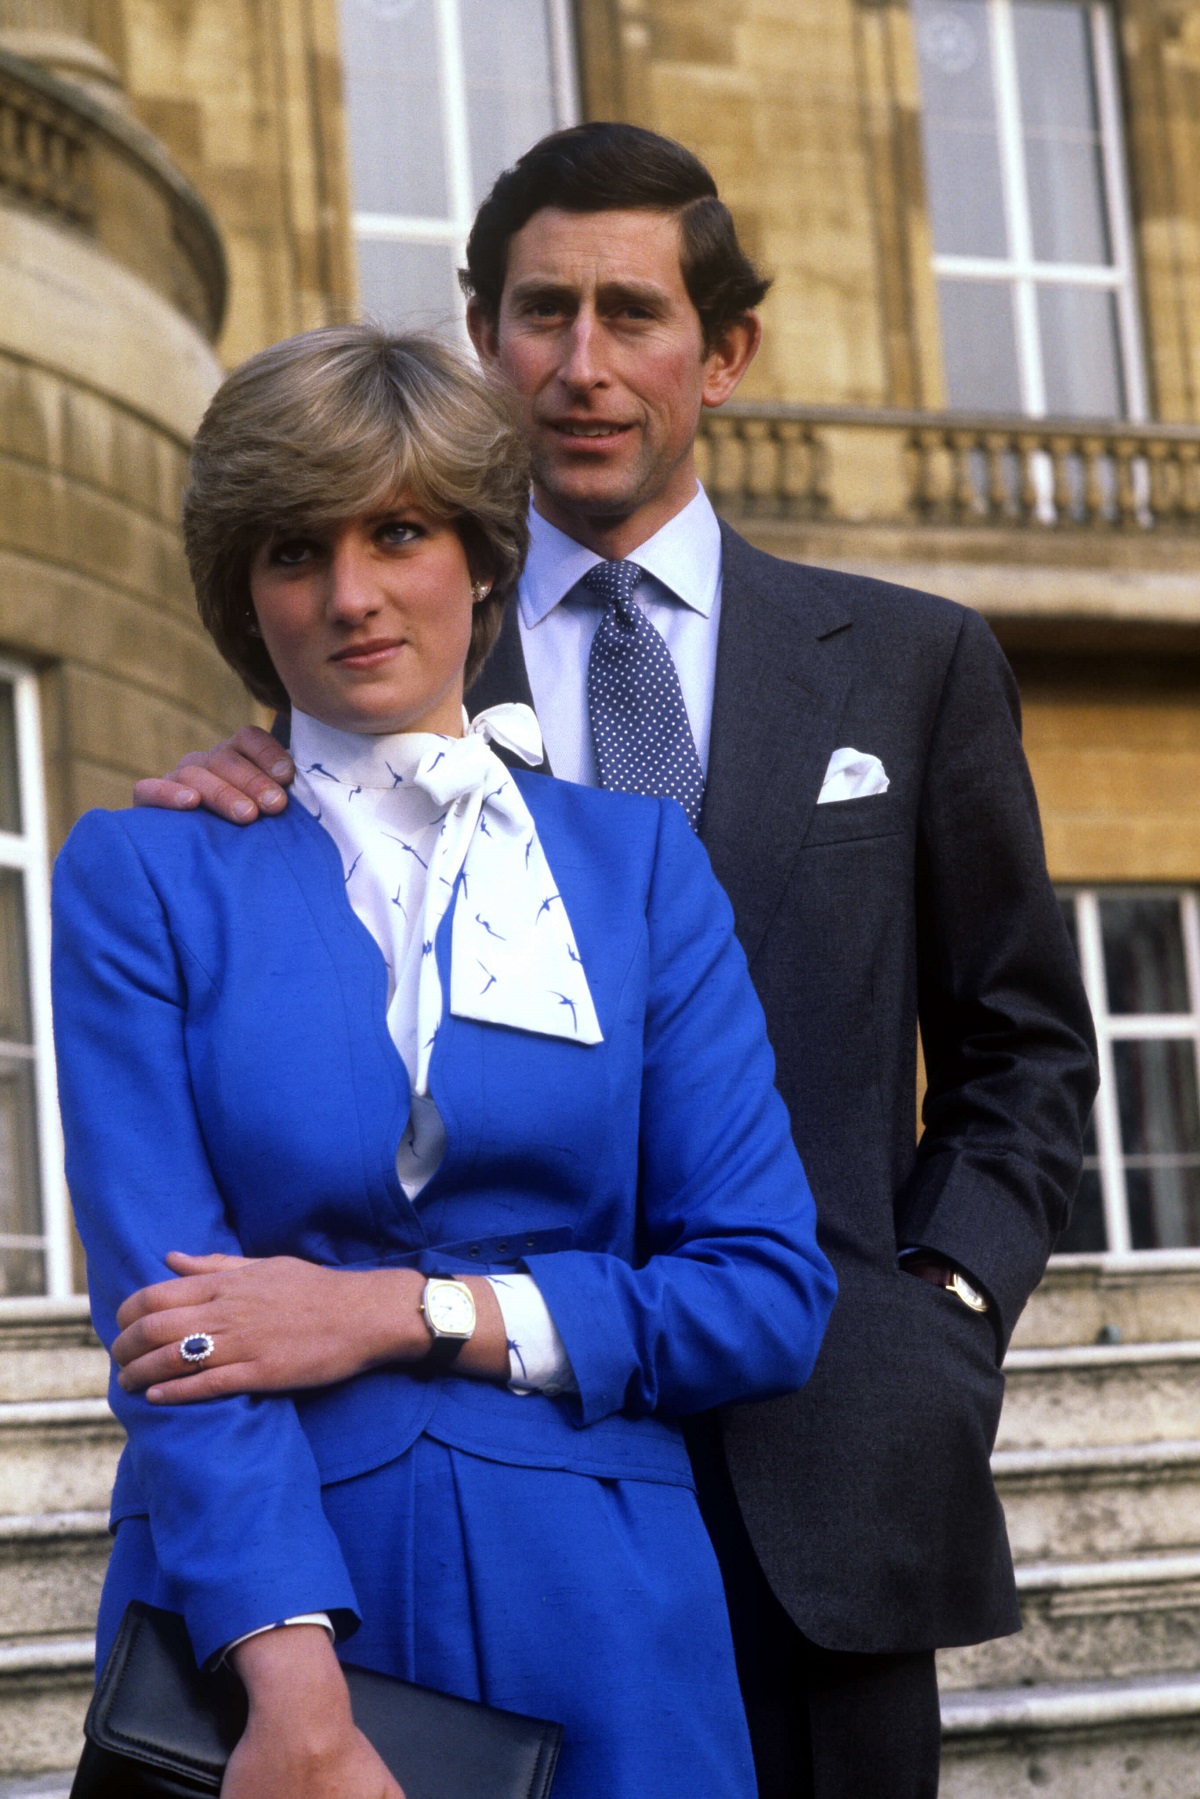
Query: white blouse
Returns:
{"type": "Point", "coordinates": [395, 825]}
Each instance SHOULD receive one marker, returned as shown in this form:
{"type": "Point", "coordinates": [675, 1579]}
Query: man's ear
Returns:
{"type": "Point", "coordinates": [729, 358]}
{"type": "Point", "coordinates": [481, 328]}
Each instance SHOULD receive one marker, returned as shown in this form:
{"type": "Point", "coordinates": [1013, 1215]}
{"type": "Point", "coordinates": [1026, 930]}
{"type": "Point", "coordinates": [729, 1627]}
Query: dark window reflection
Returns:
{"type": "Point", "coordinates": [1157, 1096]}
{"type": "Point", "coordinates": [1144, 963]}
{"type": "Point", "coordinates": [10, 790]}
{"type": "Point", "coordinates": [1164, 1206]}
{"type": "Point", "coordinates": [21, 1270]}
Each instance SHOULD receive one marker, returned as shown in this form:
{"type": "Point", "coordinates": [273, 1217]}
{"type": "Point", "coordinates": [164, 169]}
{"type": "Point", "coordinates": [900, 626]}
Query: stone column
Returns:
{"type": "Point", "coordinates": [64, 37]}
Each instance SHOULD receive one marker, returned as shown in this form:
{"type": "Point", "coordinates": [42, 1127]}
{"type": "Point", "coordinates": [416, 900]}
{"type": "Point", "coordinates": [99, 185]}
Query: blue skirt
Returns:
{"type": "Point", "coordinates": [594, 1602]}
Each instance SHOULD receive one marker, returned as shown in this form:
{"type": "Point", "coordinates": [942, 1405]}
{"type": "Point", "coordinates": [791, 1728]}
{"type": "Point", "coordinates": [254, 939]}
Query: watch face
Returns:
{"type": "Point", "coordinates": [450, 1309]}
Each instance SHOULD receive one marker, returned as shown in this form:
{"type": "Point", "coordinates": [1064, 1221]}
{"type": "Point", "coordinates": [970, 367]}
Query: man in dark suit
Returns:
{"type": "Point", "coordinates": [867, 806]}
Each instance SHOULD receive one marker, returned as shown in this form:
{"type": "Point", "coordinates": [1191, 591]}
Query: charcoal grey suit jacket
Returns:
{"type": "Point", "coordinates": [868, 1496]}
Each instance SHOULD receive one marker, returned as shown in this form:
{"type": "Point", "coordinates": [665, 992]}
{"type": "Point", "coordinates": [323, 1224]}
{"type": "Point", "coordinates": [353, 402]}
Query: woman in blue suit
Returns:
{"type": "Point", "coordinates": [519, 1193]}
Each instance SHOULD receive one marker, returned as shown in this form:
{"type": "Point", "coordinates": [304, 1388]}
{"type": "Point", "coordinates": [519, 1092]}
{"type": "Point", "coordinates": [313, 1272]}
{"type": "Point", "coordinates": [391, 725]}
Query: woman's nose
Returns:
{"type": "Point", "coordinates": [351, 592]}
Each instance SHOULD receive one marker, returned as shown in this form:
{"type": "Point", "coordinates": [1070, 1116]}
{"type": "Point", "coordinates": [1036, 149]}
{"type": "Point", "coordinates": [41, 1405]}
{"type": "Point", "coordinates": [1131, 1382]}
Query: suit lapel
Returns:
{"type": "Point", "coordinates": [782, 676]}
{"type": "Point", "coordinates": [504, 678]}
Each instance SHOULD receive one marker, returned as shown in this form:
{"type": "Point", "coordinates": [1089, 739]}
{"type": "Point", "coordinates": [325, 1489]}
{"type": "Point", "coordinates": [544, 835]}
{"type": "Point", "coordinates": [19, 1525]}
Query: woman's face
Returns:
{"type": "Point", "coordinates": [368, 623]}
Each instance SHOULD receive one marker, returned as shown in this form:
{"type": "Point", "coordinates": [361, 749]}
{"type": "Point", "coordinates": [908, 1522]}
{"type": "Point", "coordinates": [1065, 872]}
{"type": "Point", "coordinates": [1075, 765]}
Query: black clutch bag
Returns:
{"type": "Point", "coordinates": [158, 1728]}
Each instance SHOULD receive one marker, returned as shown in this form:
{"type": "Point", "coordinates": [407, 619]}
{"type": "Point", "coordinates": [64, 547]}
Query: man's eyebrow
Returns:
{"type": "Point", "coordinates": [609, 293]}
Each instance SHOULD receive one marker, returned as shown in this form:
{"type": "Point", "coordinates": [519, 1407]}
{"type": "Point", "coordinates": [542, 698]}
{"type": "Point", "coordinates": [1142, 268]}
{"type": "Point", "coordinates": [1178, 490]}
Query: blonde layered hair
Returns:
{"type": "Point", "coordinates": [338, 424]}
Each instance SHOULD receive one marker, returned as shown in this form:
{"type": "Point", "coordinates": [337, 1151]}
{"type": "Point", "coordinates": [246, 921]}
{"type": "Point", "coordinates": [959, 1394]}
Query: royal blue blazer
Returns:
{"type": "Point", "coordinates": [228, 1083]}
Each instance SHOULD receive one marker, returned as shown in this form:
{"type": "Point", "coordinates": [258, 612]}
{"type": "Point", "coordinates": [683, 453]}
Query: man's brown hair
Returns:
{"type": "Point", "coordinates": [604, 167]}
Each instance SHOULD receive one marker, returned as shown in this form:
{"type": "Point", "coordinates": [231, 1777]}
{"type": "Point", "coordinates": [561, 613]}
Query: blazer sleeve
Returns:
{"type": "Point", "coordinates": [731, 1299]}
{"type": "Point", "coordinates": [231, 1486]}
{"type": "Point", "coordinates": [1005, 1023]}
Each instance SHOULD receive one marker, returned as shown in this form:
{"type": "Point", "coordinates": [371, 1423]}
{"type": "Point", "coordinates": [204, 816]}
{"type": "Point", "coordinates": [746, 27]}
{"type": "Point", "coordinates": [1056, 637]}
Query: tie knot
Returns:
{"type": "Point", "coordinates": [614, 582]}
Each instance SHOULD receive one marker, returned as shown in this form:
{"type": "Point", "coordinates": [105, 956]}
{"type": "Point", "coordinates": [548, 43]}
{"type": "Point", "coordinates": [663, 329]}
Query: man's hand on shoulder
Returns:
{"type": "Point", "coordinates": [237, 780]}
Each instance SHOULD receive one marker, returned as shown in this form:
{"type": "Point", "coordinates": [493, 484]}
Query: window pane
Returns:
{"type": "Point", "coordinates": [958, 122]}
{"type": "Point", "coordinates": [22, 1272]}
{"type": "Point", "coordinates": [390, 64]}
{"type": "Point", "coordinates": [20, 1198]}
{"type": "Point", "coordinates": [1157, 1097]}
{"type": "Point", "coordinates": [979, 348]}
{"type": "Point", "coordinates": [1063, 162]}
{"type": "Point", "coordinates": [10, 786]}
{"type": "Point", "coordinates": [14, 967]}
{"type": "Point", "coordinates": [408, 284]}
{"type": "Point", "coordinates": [1086, 1230]}
{"type": "Point", "coordinates": [1164, 1207]}
{"type": "Point", "coordinates": [510, 83]}
{"type": "Point", "coordinates": [1144, 964]}
{"type": "Point", "coordinates": [1081, 352]}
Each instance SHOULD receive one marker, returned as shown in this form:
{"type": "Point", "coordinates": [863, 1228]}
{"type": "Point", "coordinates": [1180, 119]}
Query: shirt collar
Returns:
{"type": "Point", "coordinates": [684, 556]}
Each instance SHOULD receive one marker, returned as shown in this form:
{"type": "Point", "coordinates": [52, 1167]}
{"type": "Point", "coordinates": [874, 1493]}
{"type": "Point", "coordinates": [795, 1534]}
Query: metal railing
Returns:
{"type": "Point", "coordinates": [857, 466]}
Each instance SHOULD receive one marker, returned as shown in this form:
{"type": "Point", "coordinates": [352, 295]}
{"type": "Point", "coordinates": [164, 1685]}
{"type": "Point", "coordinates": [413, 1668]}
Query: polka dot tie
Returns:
{"type": "Point", "coordinates": [640, 725]}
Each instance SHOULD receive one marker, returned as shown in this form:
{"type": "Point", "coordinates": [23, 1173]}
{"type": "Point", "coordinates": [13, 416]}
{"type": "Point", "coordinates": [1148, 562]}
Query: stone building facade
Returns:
{"type": "Point", "coordinates": [981, 376]}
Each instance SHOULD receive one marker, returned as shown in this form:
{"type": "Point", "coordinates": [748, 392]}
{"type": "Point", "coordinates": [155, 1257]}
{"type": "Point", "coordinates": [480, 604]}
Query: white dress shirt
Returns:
{"type": "Point", "coordinates": [681, 596]}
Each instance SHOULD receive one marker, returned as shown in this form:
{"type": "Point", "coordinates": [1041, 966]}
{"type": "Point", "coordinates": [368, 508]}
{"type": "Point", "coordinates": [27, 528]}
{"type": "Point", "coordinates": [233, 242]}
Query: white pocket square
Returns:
{"type": "Point", "coordinates": [852, 775]}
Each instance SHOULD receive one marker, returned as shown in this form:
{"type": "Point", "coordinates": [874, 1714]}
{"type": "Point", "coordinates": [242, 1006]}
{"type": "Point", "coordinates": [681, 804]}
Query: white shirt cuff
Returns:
{"type": "Point", "coordinates": [537, 1358]}
{"type": "Point", "coordinates": [321, 1618]}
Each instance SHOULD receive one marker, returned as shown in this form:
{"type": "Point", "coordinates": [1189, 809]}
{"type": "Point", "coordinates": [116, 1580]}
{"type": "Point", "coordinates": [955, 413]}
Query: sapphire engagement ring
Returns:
{"type": "Point", "coordinates": [197, 1348]}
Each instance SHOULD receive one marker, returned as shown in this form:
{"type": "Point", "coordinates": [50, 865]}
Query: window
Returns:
{"type": "Point", "coordinates": [441, 96]}
{"type": "Point", "coordinates": [35, 1254]}
{"type": "Point", "coordinates": [1139, 950]}
{"type": "Point", "coordinates": [1024, 171]}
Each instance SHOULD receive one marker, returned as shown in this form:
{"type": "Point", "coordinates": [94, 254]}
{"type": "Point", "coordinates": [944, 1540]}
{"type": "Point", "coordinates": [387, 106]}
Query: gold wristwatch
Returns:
{"type": "Point", "coordinates": [448, 1308]}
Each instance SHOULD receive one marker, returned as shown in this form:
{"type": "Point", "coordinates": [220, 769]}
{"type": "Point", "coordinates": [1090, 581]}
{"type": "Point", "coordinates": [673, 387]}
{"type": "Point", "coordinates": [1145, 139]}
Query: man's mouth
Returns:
{"type": "Point", "coordinates": [587, 428]}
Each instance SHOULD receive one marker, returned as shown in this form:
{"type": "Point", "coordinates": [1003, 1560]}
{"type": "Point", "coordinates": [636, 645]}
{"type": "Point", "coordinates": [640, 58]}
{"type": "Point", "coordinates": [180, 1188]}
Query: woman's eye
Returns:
{"type": "Point", "coordinates": [292, 552]}
{"type": "Point", "coordinates": [398, 530]}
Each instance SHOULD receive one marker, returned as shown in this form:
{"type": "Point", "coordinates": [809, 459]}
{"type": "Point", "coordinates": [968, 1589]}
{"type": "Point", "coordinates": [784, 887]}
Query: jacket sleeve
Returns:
{"type": "Point", "coordinates": [732, 1295]}
{"type": "Point", "coordinates": [1005, 1024]}
{"type": "Point", "coordinates": [231, 1486]}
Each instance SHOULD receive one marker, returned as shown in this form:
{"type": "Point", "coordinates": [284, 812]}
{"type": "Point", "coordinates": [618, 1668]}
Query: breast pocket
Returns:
{"type": "Point", "coordinates": [846, 821]}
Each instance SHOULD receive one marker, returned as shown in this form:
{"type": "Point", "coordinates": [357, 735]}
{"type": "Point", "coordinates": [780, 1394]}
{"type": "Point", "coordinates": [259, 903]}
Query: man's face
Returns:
{"type": "Point", "coordinates": [604, 349]}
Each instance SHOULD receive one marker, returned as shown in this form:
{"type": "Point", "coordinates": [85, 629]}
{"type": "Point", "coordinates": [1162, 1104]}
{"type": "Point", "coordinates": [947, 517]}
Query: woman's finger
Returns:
{"type": "Point", "coordinates": [204, 1383]}
{"type": "Point", "coordinates": [184, 1263]}
{"type": "Point", "coordinates": [166, 1296]}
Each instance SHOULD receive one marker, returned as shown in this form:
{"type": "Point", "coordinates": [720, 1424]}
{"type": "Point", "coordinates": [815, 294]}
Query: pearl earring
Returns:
{"type": "Point", "coordinates": [480, 590]}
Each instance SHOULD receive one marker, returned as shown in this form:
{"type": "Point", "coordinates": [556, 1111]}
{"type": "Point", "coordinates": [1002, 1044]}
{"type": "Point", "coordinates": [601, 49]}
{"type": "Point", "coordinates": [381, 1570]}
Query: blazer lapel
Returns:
{"type": "Point", "coordinates": [504, 678]}
{"type": "Point", "coordinates": [782, 676]}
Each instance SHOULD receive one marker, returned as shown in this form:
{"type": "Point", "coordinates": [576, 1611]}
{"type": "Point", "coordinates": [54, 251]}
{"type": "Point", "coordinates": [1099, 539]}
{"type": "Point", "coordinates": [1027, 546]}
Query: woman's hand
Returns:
{"type": "Point", "coordinates": [280, 1323]}
{"type": "Point", "coordinates": [300, 1740]}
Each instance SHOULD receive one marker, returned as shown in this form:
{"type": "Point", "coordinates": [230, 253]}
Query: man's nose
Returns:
{"type": "Point", "coordinates": [583, 365]}
{"type": "Point", "coordinates": [351, 591]}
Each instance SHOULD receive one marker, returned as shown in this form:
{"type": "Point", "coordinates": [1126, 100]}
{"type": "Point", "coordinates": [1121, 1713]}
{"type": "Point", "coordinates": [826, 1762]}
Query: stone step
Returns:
{"type": "Point", "coordinates": [51, 1571]}
{"type": "Point", "coordinates": [48, 1350]}
{"type": "Point", "coordinates": [1088, 1740]}
{"type": "Point", "coordinates": [57, 1455]}
{"type": "Point", "coordinates": [1100, 1394]}
{"type": "Point", "coordinates": [1096, 1504]}
{"type": "Point", "coordinates": [39, 1786]}
{"type": "Point", "coordinates": [1113, 1620]}
{"type": "Point", "coordinates": [1149, 1297]}
{"type": "Point", "coordinates": [45, 1688]}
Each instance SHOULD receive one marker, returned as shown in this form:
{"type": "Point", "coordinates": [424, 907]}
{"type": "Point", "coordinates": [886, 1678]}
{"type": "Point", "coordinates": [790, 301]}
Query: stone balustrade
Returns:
{"type": "Point", "coordinates": [851, 466]}
{"type": "Point", "coordinates": [78, 161]}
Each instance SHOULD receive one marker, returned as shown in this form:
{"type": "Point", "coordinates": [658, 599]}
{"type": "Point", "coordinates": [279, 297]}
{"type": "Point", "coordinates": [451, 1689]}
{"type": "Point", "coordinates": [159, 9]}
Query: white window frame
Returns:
{"type": "Point", "coordinates": [1124, 1027]}
{"type": "Point", "coordinates": [455, 227]}
{"type": "Point", "coordinates": [28, 851]}
{"type": "Point", "coordinates": [1020, 271]}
